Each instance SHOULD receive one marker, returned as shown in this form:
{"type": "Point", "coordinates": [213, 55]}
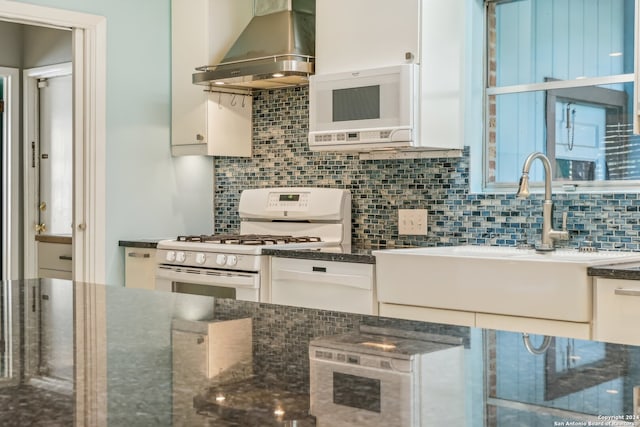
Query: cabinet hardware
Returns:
{"type": "Point", "coordinates": [42, 206]}
{"type": "Point", "coordinates": [200, 340]}
{"type": "Point", "coordinates": [628, 292]}
{"type": "Point", "coordinates": [320, 269]}
{"type": "Point", "coordinates": [138, 255]}
{"type": "Point", "coordinates": [40, 228]}
{"type": "Point", "coordinates": [65, 257]}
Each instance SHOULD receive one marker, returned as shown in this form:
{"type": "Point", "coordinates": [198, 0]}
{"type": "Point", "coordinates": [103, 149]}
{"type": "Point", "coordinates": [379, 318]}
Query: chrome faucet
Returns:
{"type": "Point", "coordinates": [549, 235]}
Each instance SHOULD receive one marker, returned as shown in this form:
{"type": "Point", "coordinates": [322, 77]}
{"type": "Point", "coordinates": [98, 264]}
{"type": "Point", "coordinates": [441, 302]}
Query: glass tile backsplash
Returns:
{"type": "Point", "coordinates": [379, 188]}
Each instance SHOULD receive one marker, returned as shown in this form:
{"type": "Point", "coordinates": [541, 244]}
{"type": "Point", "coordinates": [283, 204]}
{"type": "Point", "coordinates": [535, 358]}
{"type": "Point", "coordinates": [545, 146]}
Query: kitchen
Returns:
{"type": "Point", "coordinates": [373, 218]}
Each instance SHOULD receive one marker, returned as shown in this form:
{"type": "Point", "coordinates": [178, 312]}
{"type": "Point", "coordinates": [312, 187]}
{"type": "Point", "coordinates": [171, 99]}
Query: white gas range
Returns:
{"type": "Point", "coordinates": [232, 265]}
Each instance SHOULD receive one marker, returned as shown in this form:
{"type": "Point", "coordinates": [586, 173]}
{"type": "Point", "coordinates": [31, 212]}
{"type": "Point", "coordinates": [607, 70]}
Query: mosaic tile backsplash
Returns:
{"type": "Point", "coordinates": [281, 334]}
{"type": "Point", "coordinates": [281, 157]}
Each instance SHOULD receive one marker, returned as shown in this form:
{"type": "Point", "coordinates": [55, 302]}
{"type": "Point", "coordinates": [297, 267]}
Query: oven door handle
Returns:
{"type": "Point", "coordinates": [203, 276]}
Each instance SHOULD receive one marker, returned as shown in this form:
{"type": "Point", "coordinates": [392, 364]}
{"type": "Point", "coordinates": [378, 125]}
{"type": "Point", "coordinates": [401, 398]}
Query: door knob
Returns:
{"type": "Point", "coordinates": [41, 228]}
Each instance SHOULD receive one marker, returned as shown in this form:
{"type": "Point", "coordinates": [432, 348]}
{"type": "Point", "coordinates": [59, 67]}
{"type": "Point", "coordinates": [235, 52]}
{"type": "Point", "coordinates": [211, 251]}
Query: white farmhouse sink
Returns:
{"type": "Point", "coordinates": [490, 279]}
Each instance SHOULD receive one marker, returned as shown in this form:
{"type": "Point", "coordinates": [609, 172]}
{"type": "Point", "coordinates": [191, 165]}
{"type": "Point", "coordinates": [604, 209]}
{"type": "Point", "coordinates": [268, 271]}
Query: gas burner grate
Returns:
{"type": "Point", "coordinates": [247, 239]}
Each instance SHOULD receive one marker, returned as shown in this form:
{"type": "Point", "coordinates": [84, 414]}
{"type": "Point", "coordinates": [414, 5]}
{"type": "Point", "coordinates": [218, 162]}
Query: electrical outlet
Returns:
{"type": "Point", "coordinates": [412, 222]}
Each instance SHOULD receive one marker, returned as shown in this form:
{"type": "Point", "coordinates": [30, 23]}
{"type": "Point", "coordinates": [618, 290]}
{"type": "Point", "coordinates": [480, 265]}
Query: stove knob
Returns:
{"type": "Point", "coordinates": [171, 256]}
{"type": "Point", "coordinates": [221, 259]}
{"type": "Point", "coordinates": [232, 260]}
{"type": "Point", "coordinates": [200, 258]}
{"type": "Point", "coordinates": [181, 256]}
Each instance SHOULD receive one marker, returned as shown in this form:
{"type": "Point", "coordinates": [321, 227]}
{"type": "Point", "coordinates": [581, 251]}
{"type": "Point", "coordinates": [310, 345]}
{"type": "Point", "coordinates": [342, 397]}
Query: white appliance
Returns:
{"type": "Point", "coordinates": [436, 34]}
{"type": "Point", "coordinates": [232, 265]}
{"type": "Point", "coordinates": [365, 109]}
{"type": "Point", "coordinates": [325, 285]}
{"type": "Point", "coordinates": [365, 379]}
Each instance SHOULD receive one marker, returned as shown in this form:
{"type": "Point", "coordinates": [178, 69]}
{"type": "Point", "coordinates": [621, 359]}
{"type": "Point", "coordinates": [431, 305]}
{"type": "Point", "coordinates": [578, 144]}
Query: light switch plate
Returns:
{"type": "Point", "coordinates": [412, 222]}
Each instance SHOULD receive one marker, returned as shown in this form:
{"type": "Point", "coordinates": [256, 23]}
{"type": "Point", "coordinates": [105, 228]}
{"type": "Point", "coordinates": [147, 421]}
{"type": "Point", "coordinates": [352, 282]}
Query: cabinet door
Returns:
{"type": "Point", "coordinates": [617, 311]}
{"type": "Point", "coordinates": [383, 33]}
{"type": "Point", "coordinates": [54, 260]}
{"type": "Point", "coordinates": [140, 268]}
{"type": "Point", "coordinates": [189, 49]}
{"type": "Point", "coordinates": [202, 31]}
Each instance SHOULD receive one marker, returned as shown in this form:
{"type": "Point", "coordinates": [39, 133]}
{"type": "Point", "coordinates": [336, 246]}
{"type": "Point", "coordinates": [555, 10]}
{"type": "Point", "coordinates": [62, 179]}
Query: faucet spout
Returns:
{"type": "Point", "coordinates": [549, 235]}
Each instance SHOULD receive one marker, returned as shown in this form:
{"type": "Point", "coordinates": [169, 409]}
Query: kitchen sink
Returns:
{"type": "Point", "coordinates": [490, 279]}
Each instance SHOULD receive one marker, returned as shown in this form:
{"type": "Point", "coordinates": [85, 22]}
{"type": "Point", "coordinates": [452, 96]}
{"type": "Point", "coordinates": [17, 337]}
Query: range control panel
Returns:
{"type": "Point", "coordinates": [292, 202]}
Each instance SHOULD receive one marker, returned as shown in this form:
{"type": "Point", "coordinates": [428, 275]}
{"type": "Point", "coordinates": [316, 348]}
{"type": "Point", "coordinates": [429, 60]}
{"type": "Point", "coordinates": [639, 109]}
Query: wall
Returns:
{"type": "Point", "coordinates": [10, 43]}
{"type": "Point", "coordinates": [148, 193]}
{"type": "Point", "coordinates": [380, 187]}
{"type": "Point", "coordinates": [45, 46]}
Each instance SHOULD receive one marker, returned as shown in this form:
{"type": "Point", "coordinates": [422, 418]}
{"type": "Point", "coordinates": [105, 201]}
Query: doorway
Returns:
{"type": "Point", "coordinates": [89, 129]}
{"type": "Point", "coordinates": [48, 171]}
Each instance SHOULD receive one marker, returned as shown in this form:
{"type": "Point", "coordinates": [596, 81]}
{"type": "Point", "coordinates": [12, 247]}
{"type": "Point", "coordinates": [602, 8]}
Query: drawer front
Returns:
{"type": "Point", "coordinates": [140, 268]}
{"type": "Point", "coordinates": [617, 311]}
{"type": "Point", "coordinates": [55, 256]}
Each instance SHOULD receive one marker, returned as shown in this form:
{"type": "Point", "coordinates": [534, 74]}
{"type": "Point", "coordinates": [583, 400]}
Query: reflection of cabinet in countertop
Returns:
{"type": "Point", "coordinates": [54, 256]}
{"type": "Point", "coordinates": [207, 123]}
{"type": "Point", "coordinates": [205, 353]}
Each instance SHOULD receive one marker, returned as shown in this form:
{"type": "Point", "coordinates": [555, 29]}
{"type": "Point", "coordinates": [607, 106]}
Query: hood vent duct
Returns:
{"type": "Point", "coordinates": [276, 49]}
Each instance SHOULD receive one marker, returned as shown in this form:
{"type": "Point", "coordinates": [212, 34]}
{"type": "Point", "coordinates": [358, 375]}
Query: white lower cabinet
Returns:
{"type": "Point", "coordinates": [140, 267]}
{"type": "Point", "coordinates": [326, 285]}
{"type": "Point", "coordinates": [54, 260]}
{"type": "Point", "coordinates": [617, 311]}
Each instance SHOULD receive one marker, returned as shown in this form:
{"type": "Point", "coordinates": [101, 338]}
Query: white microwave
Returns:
{"type": "Point", "coordinates": [364, 110]}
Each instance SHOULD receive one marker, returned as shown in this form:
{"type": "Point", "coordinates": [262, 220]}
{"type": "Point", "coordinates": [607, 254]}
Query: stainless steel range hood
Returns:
{"type": "Point", "coordinates": [276, 49]}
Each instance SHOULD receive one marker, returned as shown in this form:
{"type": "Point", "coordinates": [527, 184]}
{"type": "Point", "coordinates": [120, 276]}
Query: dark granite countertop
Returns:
{"type": "Point", "coordinates": [141, 243]}
{"type": "Point", "coordinates": [362, 256]}
{"type": "Point", "coordinates": [628, 271]}
{"type": "Point", "coordinates": [121, 356]}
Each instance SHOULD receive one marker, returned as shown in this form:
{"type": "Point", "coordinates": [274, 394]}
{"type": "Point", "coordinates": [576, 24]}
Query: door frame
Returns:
{"type": "Point", "coordinates": [89, 128]}
{"type": "Point", "coordinates": [11, 224]}
{"type": "Point", "coordinates": [30, 123]}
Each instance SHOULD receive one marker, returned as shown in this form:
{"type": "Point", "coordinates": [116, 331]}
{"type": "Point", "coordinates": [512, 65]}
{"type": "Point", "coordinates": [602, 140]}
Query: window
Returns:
{"type": "Point", "coordinates": [559, 80]}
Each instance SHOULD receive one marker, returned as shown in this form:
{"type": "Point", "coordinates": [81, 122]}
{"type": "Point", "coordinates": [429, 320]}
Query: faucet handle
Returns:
{"type": "Point", "coordinates": [565, 215]}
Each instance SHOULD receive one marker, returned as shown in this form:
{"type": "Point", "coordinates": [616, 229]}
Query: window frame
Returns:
{"type": "Point", "coordinates": [555, 86]}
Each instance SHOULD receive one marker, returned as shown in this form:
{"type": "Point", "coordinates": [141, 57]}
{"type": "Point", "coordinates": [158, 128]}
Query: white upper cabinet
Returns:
{"type": "Point", "coordinates": [207, 123]}
{"type": "Point", "coordinates": [363, 34]}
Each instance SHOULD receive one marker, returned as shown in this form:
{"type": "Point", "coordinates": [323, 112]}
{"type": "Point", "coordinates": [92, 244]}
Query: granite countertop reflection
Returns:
{"type": "Point", "coordinates": [107, 355]}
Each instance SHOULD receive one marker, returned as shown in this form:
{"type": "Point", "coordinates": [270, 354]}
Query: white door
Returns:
{"type": "Point", "coordinates": [55, 155]}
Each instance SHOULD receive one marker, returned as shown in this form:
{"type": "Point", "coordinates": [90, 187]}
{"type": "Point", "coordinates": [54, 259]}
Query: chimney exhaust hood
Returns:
{"type": "Point", "coordinates": [276, 49]}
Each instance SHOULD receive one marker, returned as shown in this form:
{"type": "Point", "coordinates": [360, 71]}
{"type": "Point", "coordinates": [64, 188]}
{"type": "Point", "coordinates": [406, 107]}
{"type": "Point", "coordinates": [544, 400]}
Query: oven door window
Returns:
{"type": "Point", "coordinates": [206, 290]}
{"type": "Point", "coordinates": [356, 392]}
